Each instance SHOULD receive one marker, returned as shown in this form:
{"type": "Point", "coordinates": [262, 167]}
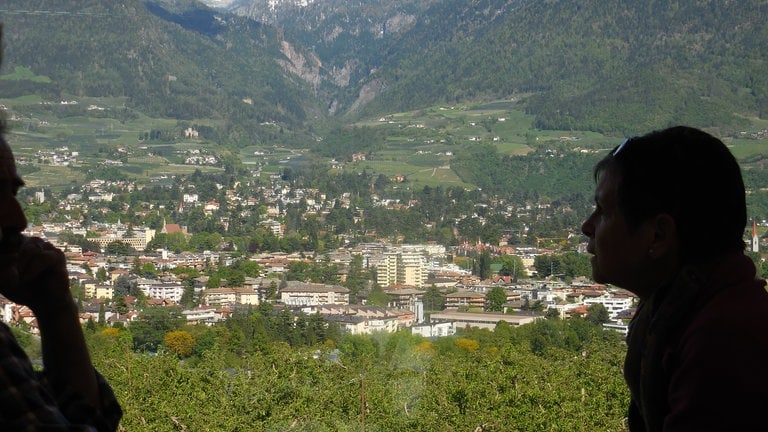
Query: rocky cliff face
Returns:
{"type": "Point", "coordinates": [307, 66]}
{"type": "Point", "coordinates": [335, 44]}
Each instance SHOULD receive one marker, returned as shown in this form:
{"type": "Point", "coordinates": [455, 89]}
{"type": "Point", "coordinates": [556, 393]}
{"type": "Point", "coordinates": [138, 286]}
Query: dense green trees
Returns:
{"type": "Point", "coordinates": [120, 64]}
{"type": "Point", "coordinates": [433, 299]}
{"type": "Point", "coordinates": [602, 66]}
{"type": "Point", "coordinates": [357, 278]}
{"type": "Point", "coordinates": [570, 379]}
{"type": "Point", "coordinates": [568, 264]}
{"type": "Point", "coordinates": [512, 265]}
{"type": "Point", "coordinates": [153, 324]}
{"type": "Point", "coordinates": [119, 247]}
{"type": "Point", "coordinates": [317, 272]}
{"type": "Point", "coordinates": [256, 329]}
{"type": "Point", "coordinates": [496, 299]}
{"type": "Point", "coordinates": [179, 342]}
{"type": "Point", "coordinates": [597, 314]}
{"type": "Point", "coordinates": [482, 265]}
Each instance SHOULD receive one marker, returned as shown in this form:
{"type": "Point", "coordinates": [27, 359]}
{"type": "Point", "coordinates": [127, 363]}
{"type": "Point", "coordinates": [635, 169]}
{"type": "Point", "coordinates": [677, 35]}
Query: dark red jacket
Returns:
{"type": "Point", "coordinates": [697, 357]}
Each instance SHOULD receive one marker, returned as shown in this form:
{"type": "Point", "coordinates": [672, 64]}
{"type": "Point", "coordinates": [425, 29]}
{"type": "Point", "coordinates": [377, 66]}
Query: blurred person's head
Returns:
{"type": "Point", "coordinates": [675, 197]}
{"type": "Point", "coordinates": [12, 220]}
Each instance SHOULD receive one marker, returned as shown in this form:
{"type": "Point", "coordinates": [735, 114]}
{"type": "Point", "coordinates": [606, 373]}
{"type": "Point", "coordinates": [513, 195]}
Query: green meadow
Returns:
{"type": "Point", "coordinates": [418, 145]}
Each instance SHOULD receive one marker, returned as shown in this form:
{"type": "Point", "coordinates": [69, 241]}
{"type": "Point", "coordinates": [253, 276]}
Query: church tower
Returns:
{"type": "Point", "coordinates": [755, 237]}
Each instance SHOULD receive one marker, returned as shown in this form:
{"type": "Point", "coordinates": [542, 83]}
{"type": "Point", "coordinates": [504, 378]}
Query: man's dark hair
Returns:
{"type": "Point", "coordinates": [689, 175]}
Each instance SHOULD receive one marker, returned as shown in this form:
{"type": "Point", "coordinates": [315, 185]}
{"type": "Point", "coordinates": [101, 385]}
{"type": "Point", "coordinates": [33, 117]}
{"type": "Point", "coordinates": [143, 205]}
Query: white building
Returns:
{"type": "Point", "coordinates": [612, 304]}
{"type": "Point", "coordinates": [363, 325]}
{"type": "Point", "coordinates": [161, 290]}
{"type": "Point", "coordinates": [204, 315]}
{"type": "Point", "coordinates": [230, 296]}
{"type": "Point", "coordinates": [437, 329]}
{"type": "Point", "coordinates": [170, 291]}
{"type": "Point", "coordinates": [482, 320]}
{"type": "Point", "coordinates": [190, 198]}
{"type": "Point", "coordinates": [309, 294]}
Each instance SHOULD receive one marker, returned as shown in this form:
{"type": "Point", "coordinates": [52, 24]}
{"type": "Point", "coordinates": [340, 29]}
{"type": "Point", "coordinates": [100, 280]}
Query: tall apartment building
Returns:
{"type": "Point", "coordinates": [402, 267]}
{"type": "Point", "coordinates": [386, 269]}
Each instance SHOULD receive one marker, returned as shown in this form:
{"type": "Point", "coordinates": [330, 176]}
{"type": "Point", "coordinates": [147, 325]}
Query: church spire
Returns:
{"type": "Point", "coordinates": [755, 237]}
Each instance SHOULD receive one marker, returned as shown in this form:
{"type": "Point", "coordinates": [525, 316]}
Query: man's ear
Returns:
{"type": "Point", "coordinates": [664, 232]}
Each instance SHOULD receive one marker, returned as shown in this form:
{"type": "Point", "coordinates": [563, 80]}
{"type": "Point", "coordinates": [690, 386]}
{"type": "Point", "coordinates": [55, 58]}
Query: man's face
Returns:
{"type": "Point", "coordinates": [32, 271]}
{"type": "Point", "coordinates": [619, 255]}
{"type": "Point", "coordinates": [12, 219]}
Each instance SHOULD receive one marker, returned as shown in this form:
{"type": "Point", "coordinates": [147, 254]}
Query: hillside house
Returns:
{"type": "Point", "coordinates": [202, 315]}
{"type": "Point", "coordinates": [310, 294]}
{"type": "Point", "coordinates": [465, 299]}
{"type": "Point", "coordinates": [230, 296]}
{"type": "Point", "coordinates": [482, 320]}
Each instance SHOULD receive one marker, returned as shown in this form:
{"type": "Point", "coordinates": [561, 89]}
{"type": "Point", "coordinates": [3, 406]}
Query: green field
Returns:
{"type": "Point", "coordinates": [418, 145]}
{"type": "Point", "coordinates": [98, 129]}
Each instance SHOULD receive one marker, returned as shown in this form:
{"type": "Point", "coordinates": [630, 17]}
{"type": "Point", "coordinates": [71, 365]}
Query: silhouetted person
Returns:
{"type": "Point", "coordinates": [68, 394]}
{"type": "Point", "coordinates": [668, 225]}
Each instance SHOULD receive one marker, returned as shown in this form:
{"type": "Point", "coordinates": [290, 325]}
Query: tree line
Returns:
{"type": "Point", "coordinates": [550, 375]}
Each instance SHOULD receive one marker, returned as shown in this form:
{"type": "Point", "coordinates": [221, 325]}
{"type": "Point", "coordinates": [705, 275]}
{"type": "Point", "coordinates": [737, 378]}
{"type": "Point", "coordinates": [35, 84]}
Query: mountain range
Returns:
{"type": "Point", "coordinates": [609, 66]}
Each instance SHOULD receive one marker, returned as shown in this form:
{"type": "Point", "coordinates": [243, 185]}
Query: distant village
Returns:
{"type": "Point", "coordinates": [405, 272]}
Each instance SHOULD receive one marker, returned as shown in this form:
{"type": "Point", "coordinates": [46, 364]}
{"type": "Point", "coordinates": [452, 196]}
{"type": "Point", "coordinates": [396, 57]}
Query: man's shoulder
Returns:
{"type": "Point", "coordinates": [734, 314]}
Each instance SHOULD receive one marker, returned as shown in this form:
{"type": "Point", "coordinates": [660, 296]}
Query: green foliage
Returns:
{"type": "Point", "coordinates": [316, 272]}
{"type": "Point", "coordinates": [205, 241]}
{"type": "Point", "coordinates": [21, 73]}
{"type": "Point", "coordinates": [569, 264]}
{"type": "Point", "coordinates": [384, 382]}
{"type": "Point", "coordinates": [377, 296]}
{"type": "Point", "coordinates": [28, 342]}
{"type": "Point", "coordinates": [356, 279]}
{"type": "Point", "coordinates": [79, 240]}
{"type": "Point", "coordinates": [358, 348]}
{"type": "Point", "coordinates": [136, 59]}
{"type": "Point", "coordinates": [496, 299]}
{"type": "Point", "coordinates": [433, 299]}
{"type": "Point", "coordinates": [179, 342]}
{"type": "Point", "coordinates": [152, 325]}
{"type": "Point", "coordinates": [148, 270]}
{"type": "Point", "coordinates": [255, 330]}
{"type": "Point", "coordinates": [342, 143]}
{"type": "Point", "coordinates": [102, 315]}
{"type": "Point", "coordinates": [119, 247]}
{"type": "Point", "coordinates": [512, 265]}
{"type": "Point", "coordinates": [603, 66]}
{"type": "Point", "coordinates": [565, 177]}
{"type": "Point", "coordinates": [482, 266]}
{"type": "Point", "coordinates": [176, 242]}
{"type": "Point", "coordinates": [101, 274]}
{"type": "Point", "coordinates": [597, 314]}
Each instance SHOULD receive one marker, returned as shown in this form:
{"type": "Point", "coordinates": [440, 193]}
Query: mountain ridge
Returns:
{"type": "Point", "coordinates": [613, 67]}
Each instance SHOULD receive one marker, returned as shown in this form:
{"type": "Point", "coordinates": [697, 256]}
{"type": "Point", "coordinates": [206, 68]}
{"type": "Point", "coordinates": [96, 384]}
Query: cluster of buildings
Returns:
{"type": "Point", "coordinates": [405, 273]}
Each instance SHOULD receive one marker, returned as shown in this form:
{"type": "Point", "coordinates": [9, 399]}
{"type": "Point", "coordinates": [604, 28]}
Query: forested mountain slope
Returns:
{"type": "Point", "coordinates": [181, 64]}
{"type": "Point", "coordinates": [609, 66]}
{"type": "Point", "coordinates": [599, 65]}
